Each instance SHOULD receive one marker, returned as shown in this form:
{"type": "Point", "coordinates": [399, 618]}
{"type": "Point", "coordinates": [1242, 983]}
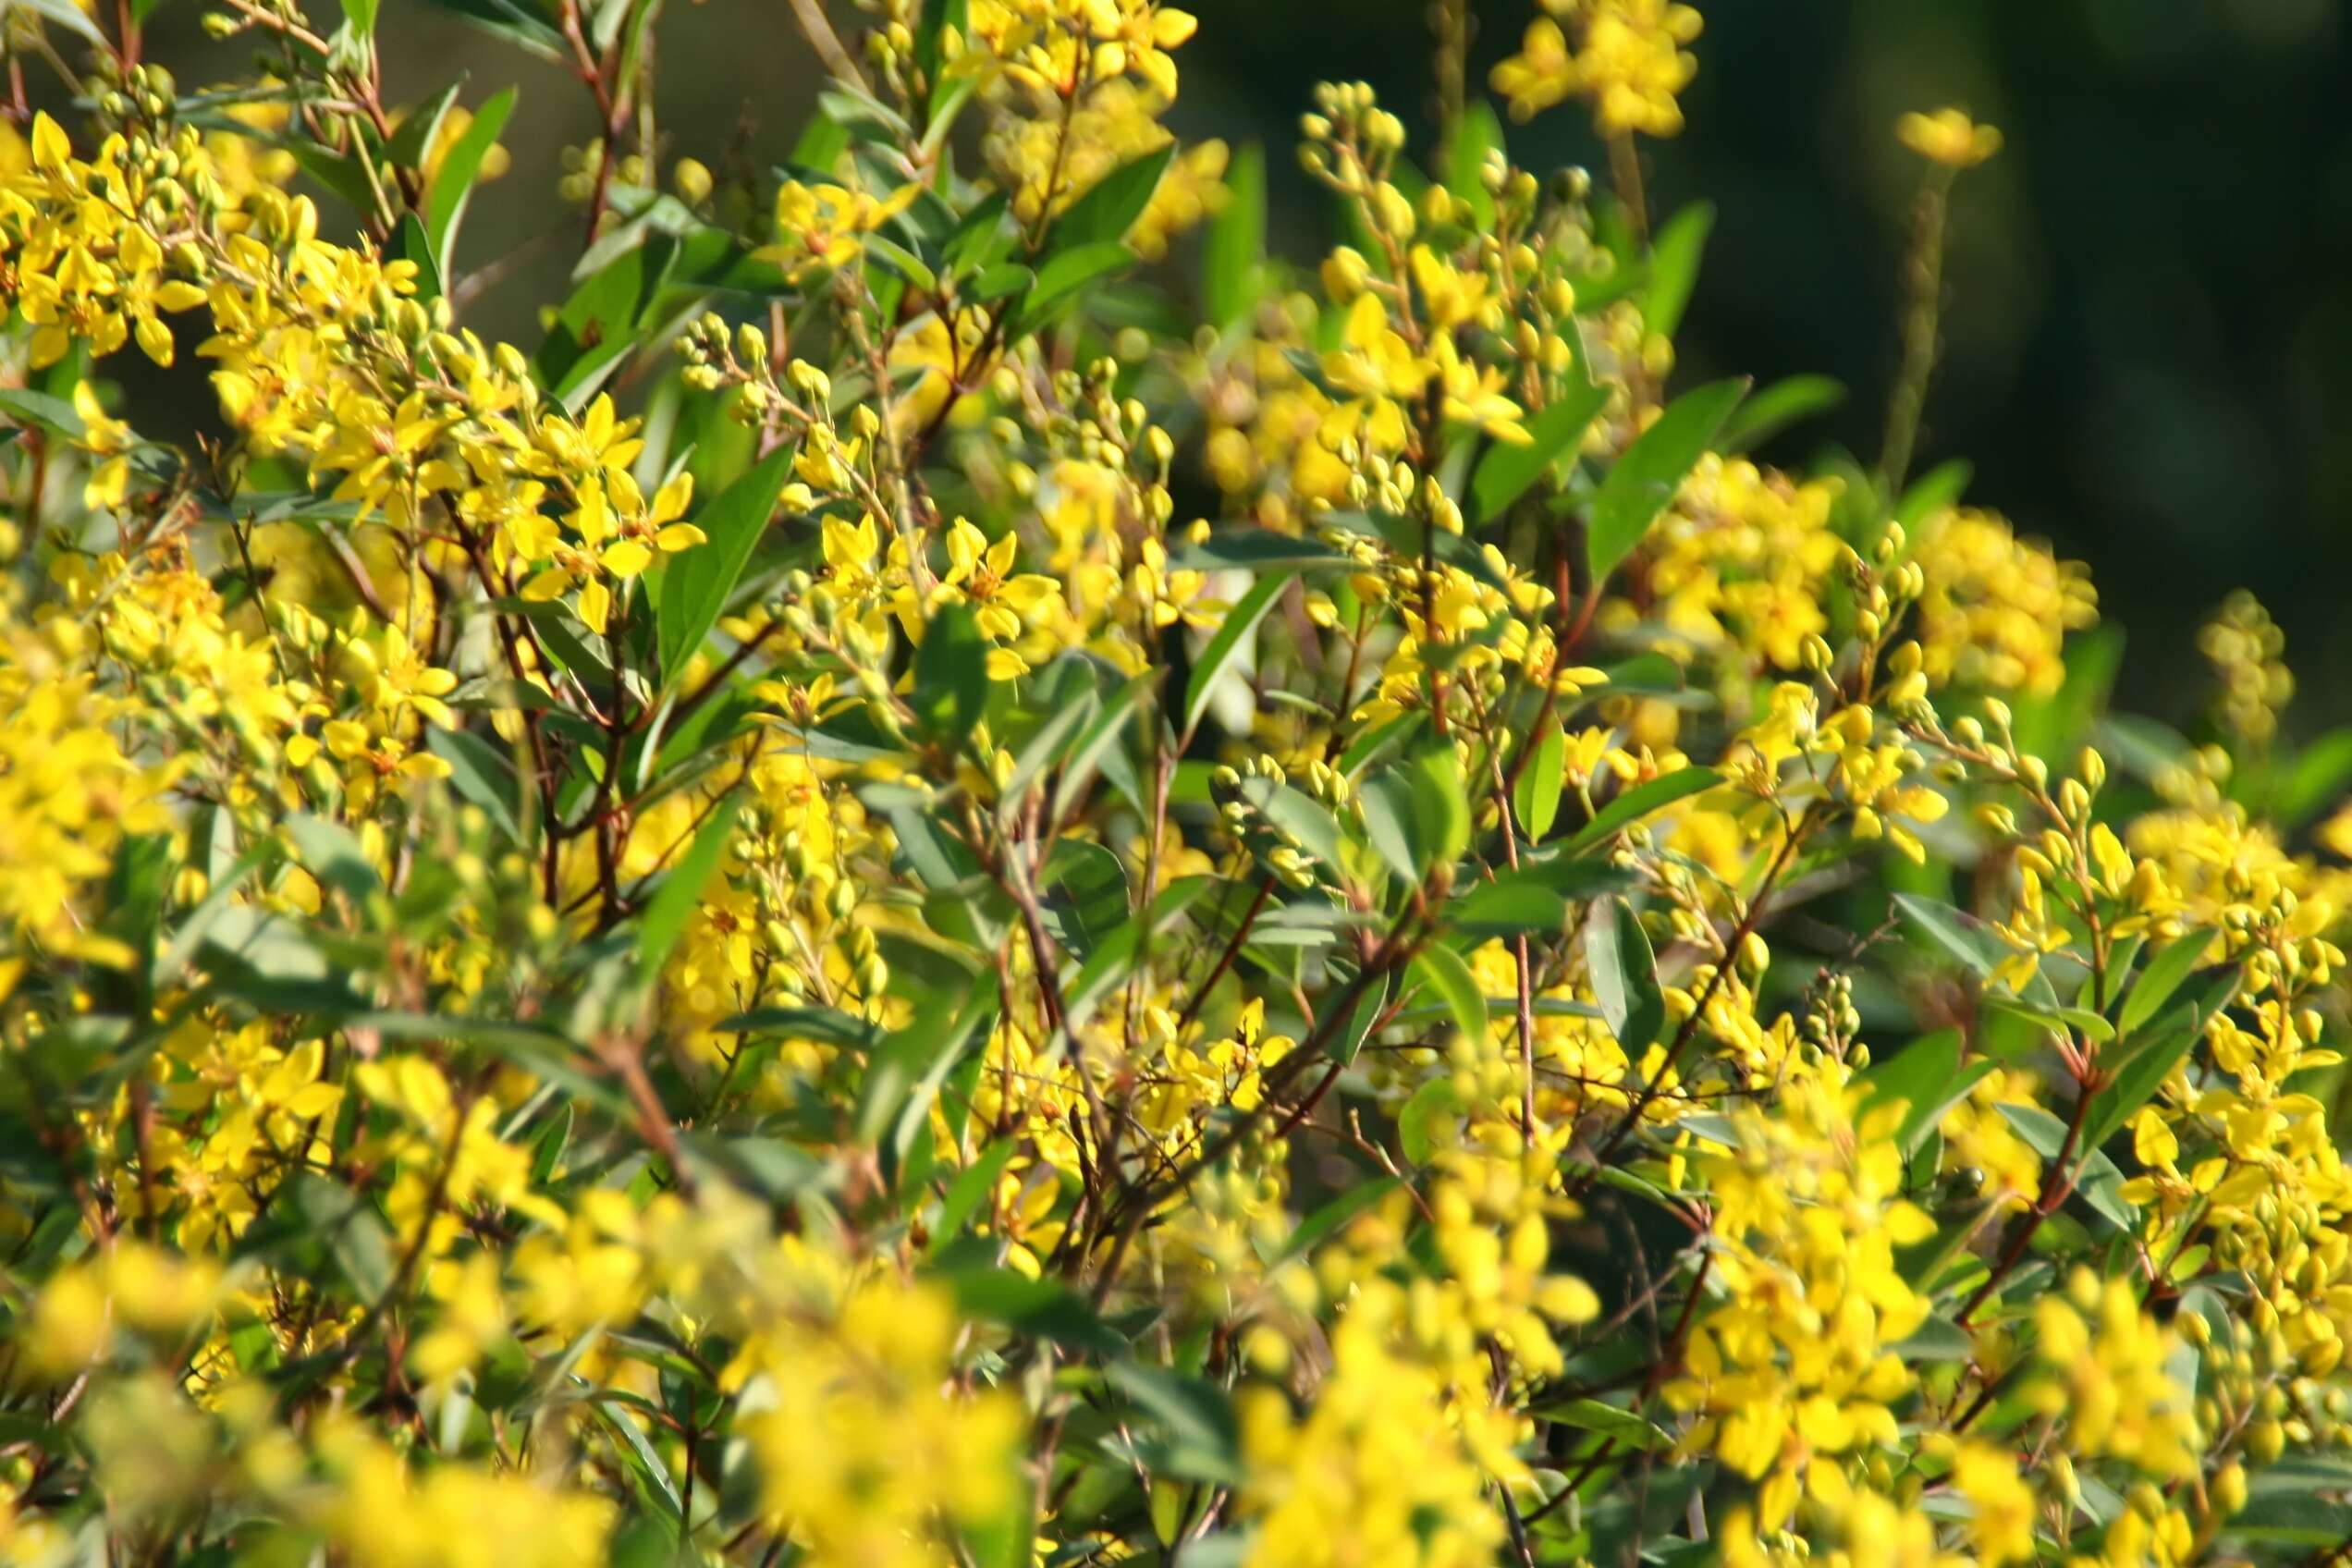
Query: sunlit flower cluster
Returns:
{"type": "Point", "coordinates": [897, 901]}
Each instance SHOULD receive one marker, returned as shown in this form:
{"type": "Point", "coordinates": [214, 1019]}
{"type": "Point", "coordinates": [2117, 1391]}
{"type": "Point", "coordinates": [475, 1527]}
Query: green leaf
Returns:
{"type": "Point", "coordinates": [413, 244]}
{"type": "Point", "coordinates": [1478, 133]}
{"type": "Point", "coordinates": [338, 172]}
{"type": "Point", "coordinates": [2135, 1083]}
{"type": "Point", "coordinates": [2142, 747]}
{"type": "Point", "coordinates": [1913, 1073]}
{"type": "Point", "coordinates": [547, 1149]}
{"type": "Point", "coordinates": [1509, 468]}
{"type": "Point", "coordinates": [1939, 487]}
{"type": "Point", "coordinates": [1258, 549]}
{"type": "Point", "coordinates": [1098, 750]}
{"type": "Point", "coordinates": [1444, 971]}
{"type": "Point", "coordinates": [1643, 481]}
{"type": "Point", "coordinates": [1926, 1075]}
{"type": "Point", "coordinates": [697, 582]}
{"type": "Point", "coordinates": [453, 184]}
{"type": "Point", "coordinates": [1536, 799]}
{"type": "Point", "coordinates": [1042, 751]}
{"type": "Point", "coordinates": [361, 13]}
{"type": "Point", "coordinates": [42, 409]}
{"type": "Point", "coordinates": [1938, 1338]}
{"type": "Point", "coordinates": [981, 238]}
{"type": "Point", "coordinates": [1109, 209]}
{"type": "Point", "coordinates": [1441, 804]}
{"type": "Point", "coordinates": [512, 19]}
{"type": "Point", "coordinates": [2319, 777]}
{"type": "Point", "coordinates": [1200, 1438]}
{"type": "Point", "coordinates": [1370, 1002]}
{"type": "Point", "coordinates": [1674, 266]}
{"type": "Point", "coordinates": [930, 28]}
{"type": "Point", "coordinates": [825, 1025]}
{"type": "Point", "coordinates": [1087, 896]}
{"type": "Point", "coordinates": [1000, 282]}
{"type": "Point", "coordinates": [194, 931]}
{"type": "Point", "coordinates": [2099, 1184]}
{"type": "Point", "coordinates": [1980, 948]}
{"type": "Point", "coordinates": [1239, 623]}
{"type": "Point", "coordinates": [329, 852]}
{"type": "Point", "coordinates": [905, 1074]}
{"type": "Point", "coordinates": [2165, 971]}
{"type": "Point", "coordinates": [1067, 272]}
{"type": "Point", "coordinates": [680, 892]}
{"type": "Point", "coordinates": [419, 129]}
{"type": "Point", "coordinates": [904, 262]}
{"type": "Point", "coordinates": [1421, 1118]}
{"type": "Point", "coordinates": [1327, 1220]}
{"type": "Point", "coordinates": [1625, 977]}
{"type": "Point", "coordinates": [1301, 818]}
{"type": "Point", "coordinates": [1777, 407]}
{"type": "Point", "coordinates": [268, 960]}
{"type": "Point", "coordinates": [952, 675]}
{"type": "Point", "coordinates": [1115, 955]}
{"type": "Point", "coordinates": [133, 912]}
{"type": "Point", "coordinates": [653, 1485]}
{"type": "Point", "coordinates": [67, 14]}
{"type": "Point", "coordinates": [1635, 1432]}
{"type": "Point", "coordinates": [478, 772]}
{"type": "Point", "coordinates": [355, 1237]}
{"type": "Point", "coordinates": [1385, 803]}
{"type": "Point", "coordinates": [1508, 908]}
{"type": "Point", "coordinates": [1641, 800]}
{"type": "Point", "coordinates": [1573, 879]}
{"type": "Point", "coordinates": [968, 1191]}
{"type": "Point", "coordinates": [1234, 264]}
{"type": "Point", "coordinates": [1044, 1309]}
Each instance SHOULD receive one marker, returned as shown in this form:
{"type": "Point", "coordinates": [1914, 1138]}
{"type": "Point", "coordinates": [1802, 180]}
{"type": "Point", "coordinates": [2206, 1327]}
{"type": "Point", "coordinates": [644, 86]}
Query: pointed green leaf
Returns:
{"type": "Point", "coordinates": [1776, 407]}
{"type": "Point", "coordinates": [1418, 1122]}
{"type": "Point", "coordinates": [1235, 262]}
{"type": "Point", "coordinates": [2164, 973]}
{"type": "Point", "coordinates": [453, 183]}
{"type": "Point", "coordinates": [329, 852]}
{"type": "Point", "coordinates": [697, 582]}
{"type": "Point", "coordinates": [1240, 622]}
{"type": "Point", "coordinates": [1445, 972]}
{"type": "Point", "coordinates": [478, 772]}
{"type": "Point", "coordinates": [1508, 468]}
{"type": "Point", "coordinates": [1643, 481]}
{"type": "Point", "coordinates": [1641, 800]}
{"type": "Point", "coordinates": [680, 893]}
{"type": "Point", "coordinates": [1674, 266]}
{"type": "Point", "coordinates": [1536, 799]}
{"type": "Point", "coordinates": [1477, 134]}
{"type": "Point", "coordinates": [1385, 803]}
{"type": "Point", "coordinates": [952, 675]}
{"type": "Point", "coordinates": [1625, 977]}
{"type": "Point", "coordinates": [1199, 1438]}
{"type": "Point", "coordinates": [1109, 209]}
{"type": "Point", "coordinates": [1064, 276]}
{"type": "Point", "coordinates": [2096, 1180]}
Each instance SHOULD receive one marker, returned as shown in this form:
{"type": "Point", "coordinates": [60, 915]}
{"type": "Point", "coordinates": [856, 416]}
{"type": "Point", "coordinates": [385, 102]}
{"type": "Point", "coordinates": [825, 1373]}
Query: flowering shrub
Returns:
{"type": "Point", "coordinates": [916, 897]}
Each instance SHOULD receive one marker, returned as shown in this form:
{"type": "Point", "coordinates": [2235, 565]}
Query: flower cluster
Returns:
{"type": "Point", "coordinates": [898, 900]}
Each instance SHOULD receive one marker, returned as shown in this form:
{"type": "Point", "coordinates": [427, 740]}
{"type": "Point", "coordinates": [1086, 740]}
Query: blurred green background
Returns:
{"type": "Point", "coordinates": [2150, 338]}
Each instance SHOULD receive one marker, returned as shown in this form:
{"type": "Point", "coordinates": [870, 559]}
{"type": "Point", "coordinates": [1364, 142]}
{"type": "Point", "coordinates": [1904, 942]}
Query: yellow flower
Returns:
{"type": "Point", "coordinates": [2002, 1525]}
{"type": "Point", "coordinates": [1628, 59]}
{"type": "Point", "coordinates": [1948, 136]}
{"type": "Point", "coordinates": [108, 440]}
{"type": "Point", "coordinates": [820, 227]}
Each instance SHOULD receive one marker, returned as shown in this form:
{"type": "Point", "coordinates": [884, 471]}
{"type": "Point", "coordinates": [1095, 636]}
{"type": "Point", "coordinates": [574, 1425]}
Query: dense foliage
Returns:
{"type": "Point", "coordinates": [918, 895]}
